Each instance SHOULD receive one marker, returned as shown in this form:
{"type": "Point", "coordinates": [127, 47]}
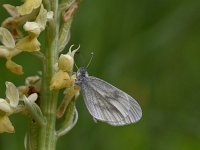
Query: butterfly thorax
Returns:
{"type": "Point", "coordinates": [81, 75]}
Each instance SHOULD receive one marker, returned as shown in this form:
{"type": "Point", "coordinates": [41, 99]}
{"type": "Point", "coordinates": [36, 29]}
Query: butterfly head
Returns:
{"type": "Point", "coordinates": [81, 74]}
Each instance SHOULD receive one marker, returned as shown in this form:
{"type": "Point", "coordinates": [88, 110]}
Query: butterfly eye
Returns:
{"type": "Point", "coordinates": [78, 80]}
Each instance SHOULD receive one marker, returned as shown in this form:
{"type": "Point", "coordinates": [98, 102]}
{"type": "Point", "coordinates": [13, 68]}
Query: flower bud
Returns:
{"type": "Point", "coordinates": [66, 62]}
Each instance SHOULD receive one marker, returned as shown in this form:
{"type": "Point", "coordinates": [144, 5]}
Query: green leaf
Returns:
{"type": "Point", "coordinates": [64, 35]}
{"type": "Point", "coordinates": [70, 120]}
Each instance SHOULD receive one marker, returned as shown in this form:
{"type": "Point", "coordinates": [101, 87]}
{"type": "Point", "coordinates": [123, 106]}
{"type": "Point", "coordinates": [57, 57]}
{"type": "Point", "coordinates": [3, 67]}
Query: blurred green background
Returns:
{"type": "Point", "coordinates": [148, 48]}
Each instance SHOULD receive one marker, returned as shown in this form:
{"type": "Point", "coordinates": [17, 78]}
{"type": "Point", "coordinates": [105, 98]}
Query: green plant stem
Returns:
{"type": "Point", "coordinates": [47, 135]}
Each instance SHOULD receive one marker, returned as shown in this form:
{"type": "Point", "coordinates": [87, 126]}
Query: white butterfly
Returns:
{"type": "Point", "coordinates": [107, 103]}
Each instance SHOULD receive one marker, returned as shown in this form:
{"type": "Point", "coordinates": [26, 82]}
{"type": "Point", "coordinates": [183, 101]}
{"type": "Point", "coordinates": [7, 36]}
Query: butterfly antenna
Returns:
{"type": "Point", "coordinates": [76, 66]}
{"type": "Point", "coordinates": [92, 54]}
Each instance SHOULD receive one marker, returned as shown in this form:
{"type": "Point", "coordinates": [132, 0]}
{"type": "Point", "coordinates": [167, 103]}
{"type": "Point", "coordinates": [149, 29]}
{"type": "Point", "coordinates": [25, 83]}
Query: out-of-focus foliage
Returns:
{"type": "Point", "coordinates": [148, 48]}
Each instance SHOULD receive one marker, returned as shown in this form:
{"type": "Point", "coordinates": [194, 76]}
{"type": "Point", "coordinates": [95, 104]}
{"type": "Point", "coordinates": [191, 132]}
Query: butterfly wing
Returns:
{"type": "Point", "coordinates": [108, 103]}
{"type": "Point", "coordinates": [135, 113]}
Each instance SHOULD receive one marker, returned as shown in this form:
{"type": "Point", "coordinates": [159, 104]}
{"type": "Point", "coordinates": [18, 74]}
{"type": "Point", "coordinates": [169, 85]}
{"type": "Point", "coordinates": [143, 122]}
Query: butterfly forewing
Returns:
{"type": "Point", "coordinates": [109, 104]}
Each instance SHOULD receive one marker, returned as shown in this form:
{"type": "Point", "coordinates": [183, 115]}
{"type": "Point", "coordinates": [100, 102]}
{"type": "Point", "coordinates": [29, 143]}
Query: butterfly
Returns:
{"type": "Point", "coordinates": [107, 103]}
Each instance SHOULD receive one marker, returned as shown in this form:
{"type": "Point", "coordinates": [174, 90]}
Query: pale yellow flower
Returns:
{"type": "Point", "coordinates": [30, 43]}
{"type": "Point", "coordinates": [14, 22]}
{"type": "Point", "coordinates": [8, 42]}
{"type": "Point", "coordinates": [28, 6]}
{"type": "Point", "coordinates": [60, 80]}
{"type": "Point", "coordinates": [8, 50]}
{"type": "Point", "coordinates": [32, 85]}
{"type": "Point", "coordinates": [11, 105]}
{"type": "Point", "coordinates": [7, 107]}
